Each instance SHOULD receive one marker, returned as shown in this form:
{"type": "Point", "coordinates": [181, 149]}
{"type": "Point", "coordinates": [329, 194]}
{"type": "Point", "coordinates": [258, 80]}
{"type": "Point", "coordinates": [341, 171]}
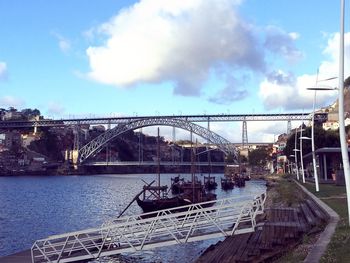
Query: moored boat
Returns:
{"type": "Point", "coordinates": [156, 197]}
{"type": "Point", "coordinates": [227, 183]}
{"type": "Point", "coordinates": [176, 185]}
{"type": "Point", "coordinates": [209, 182]}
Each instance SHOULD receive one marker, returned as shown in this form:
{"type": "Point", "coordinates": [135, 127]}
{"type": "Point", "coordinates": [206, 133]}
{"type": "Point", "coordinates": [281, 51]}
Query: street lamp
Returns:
{"type": "Point", "coordinates": [343, 142]}
{"type": "Point", "coordinates": [291, 156]}
{"type": "Point", "coordinates": [296, 164]}
{"type": "Point", "coordinates": [305, 138]}
{"type": "Point", "coordinates": [301, 152]}
{"type": "Point", "coordinates": [313, 125]}
{"type": "Point", "coordinates": [295, 155]}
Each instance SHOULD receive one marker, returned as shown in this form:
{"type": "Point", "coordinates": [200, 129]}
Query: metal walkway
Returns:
{"type": "Point", "coordinates": [220, 218]}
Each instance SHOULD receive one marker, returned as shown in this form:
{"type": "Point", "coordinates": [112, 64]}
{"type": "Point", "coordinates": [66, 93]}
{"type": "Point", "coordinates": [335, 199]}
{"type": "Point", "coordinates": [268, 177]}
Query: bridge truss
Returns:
{"type": "Point", "coordinates": [190, 118]}
{"type": "Point", "coordinates": [97, 144]}
{"type": "Point", "coordinates": [195, 222]}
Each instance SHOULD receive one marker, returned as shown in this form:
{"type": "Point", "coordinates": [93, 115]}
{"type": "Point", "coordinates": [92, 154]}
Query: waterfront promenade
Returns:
{"type": "Point", "coordinates": [281, 231]}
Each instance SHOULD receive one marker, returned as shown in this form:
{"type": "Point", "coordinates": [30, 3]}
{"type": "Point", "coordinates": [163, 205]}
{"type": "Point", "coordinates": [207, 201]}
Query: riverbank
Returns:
{"type": "Point", "coordinates": [287, 232]}
{"type": "Point", "coordinates": [117, 169]}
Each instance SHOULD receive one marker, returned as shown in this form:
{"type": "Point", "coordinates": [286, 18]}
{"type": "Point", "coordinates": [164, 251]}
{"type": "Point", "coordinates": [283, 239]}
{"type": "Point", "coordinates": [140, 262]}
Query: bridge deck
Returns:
{"type": "Point", "coordinates": [196, 222]}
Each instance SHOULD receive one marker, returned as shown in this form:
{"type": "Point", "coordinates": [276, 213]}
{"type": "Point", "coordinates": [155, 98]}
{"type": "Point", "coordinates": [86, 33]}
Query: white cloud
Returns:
{"type": "Point", "coordinates": [3, 70]}
{"type": "Point", "coordinates": [178, 41]}
{"type": "Point", "coordinates": [63, 43]}
{"type": "Point", "coordinates": [279, 91]}
{"type": "Point", "coordinates": [10, 101]}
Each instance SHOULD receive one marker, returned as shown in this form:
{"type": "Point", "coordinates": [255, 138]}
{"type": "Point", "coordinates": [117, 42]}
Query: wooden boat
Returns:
{"type": "Point", "coordinates": [153, 202]}
{"type": "Point", "coordinates": [237, 173]}
{"type": "Point", "coordinates": [156, 197]}
{"type": "Point", "coordinates": [227, 183]}
{"type": "Point", "coordinates": [176, 185]}
{"type": "Point", "coordinates": [192, 193]}
{"type": "Point", "coordinates": [209, 182]}
{"type": "Point", "coordinates": [239, 180]}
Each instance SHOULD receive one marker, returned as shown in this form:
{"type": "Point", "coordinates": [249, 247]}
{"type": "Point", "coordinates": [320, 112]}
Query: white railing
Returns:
{"type": "Point", "coordinates": [220, 218]}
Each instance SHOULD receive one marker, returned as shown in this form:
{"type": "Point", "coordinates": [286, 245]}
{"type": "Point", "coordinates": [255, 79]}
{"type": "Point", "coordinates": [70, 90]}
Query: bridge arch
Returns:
{"type": "Point", "coordinates": [96, 144]}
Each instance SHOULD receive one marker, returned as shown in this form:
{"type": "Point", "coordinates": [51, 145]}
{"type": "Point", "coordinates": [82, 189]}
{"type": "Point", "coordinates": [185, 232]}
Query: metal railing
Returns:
{"type": "Point", "coordinates": [220, 218]}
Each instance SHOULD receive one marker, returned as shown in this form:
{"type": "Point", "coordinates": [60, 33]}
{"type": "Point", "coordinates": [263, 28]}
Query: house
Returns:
{"type": "Point", "coordinates": [329, 165]}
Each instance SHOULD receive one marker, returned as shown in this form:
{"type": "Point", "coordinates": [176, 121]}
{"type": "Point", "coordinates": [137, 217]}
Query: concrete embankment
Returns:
{"type": "Point", "coordinates": [280, 230]}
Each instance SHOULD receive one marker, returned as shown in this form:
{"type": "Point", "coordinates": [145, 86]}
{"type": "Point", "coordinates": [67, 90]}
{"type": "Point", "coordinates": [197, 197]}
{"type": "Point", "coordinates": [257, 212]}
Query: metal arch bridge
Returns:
{"type": "Point", "coordinates": [191, 118]}
{"type": "Point", "coordinates": [96, 144]}
{"type": "Point", "coordinates": [228, 217]}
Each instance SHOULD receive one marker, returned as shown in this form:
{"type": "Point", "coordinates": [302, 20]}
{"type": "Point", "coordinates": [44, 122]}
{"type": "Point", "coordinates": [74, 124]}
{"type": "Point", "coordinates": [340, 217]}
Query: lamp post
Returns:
{"type": "Point", "coordinates": [296, 164]}
{"type": "Point", "coordinates": [291, 156]}
{"type": "Point", "coordinates": [343, 142]}
{"type": "Point", "coordinates": [295, 154]}
{"type": "Point", "coordinates": [307, 138]}
{"type": "Point", "coordinates": [313, 125]}
{"type": "Point", "coordinates": [301, 153]}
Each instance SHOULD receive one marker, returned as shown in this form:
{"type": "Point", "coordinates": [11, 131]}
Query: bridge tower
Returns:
{"type": "Point", "coordinates": [108, 148]}
{"type": "Point", "coordinates": [289, 127]}
{"type": "Point", "coordinates": [208, 150]}
{"type": "Point", "coordinates": [76, 145]}
{"type": "Point", "coordinates": [173, 148]}
{"type": "Point", "coordinates": [244, 135]}
{"type": "Point", "coordinates": [140, 146]}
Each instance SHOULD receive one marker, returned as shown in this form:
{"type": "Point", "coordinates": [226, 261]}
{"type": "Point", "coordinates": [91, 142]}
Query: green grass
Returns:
{"type": "Point", "coordinates": [286, 192]}
{"type": "Point", "coordinates": [334, 196]}
{"type": "Point", "coordinates": [326, 190]}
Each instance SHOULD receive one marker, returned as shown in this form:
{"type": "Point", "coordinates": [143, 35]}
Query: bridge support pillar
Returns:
{"type": "Point", "coordinates": [289, 126]}
{"type": "Point", "coordinates": [74, 157]}
{"type": "Point", "coordinates": [244, 135]}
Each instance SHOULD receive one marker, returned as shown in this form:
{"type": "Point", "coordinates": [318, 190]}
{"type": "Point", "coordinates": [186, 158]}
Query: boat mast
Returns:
{"type": "Point", "coordinates": [158, 164]}
{"type": "Point", "coordinates": [192, 167]}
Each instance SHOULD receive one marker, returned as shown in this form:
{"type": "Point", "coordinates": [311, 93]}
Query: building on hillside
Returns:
{"type": "Point", "coordinates": [330, 125]}
{"type": "Point", "coordinates": [334, 125]}
{"type": "Point", "coordinates": [12, 115]}
{"type": "Point", "coordinates": [27, 139]}
{"type": "Point", "coordinates": [12, 138]}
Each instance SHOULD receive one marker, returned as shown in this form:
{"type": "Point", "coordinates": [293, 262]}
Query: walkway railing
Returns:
{"type": "Point", "coordinates": [220, 218]}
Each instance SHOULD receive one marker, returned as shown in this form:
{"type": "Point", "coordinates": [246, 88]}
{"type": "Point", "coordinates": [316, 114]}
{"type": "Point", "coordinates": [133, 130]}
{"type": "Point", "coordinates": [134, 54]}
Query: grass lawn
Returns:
{"type": "Point", "coordinates": [335, 197]}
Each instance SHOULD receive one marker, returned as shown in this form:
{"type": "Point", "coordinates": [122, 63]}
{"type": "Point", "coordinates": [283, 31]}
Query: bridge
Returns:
{"type": "Point", "coordinates": [10, 124]}
{"type": "Point", "coordinates": [186, 122]}
{"type": "Point", "coordinates": [220, 218]}
{"type": "Point", "coordinates": [97, 144]}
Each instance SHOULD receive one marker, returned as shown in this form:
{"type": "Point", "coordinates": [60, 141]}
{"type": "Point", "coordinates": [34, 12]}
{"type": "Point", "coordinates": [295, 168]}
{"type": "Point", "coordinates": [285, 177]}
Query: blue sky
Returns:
{"type": "Point", "coordinates": [150, 57]}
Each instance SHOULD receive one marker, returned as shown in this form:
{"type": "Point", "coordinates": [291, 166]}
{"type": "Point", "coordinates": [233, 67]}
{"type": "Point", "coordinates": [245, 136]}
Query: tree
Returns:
{"type": "Point", "coordinates": [322, 139]}
{"type": "Point", "coordinates": [29, 113]}
{"type": "Point", "coordinates": [259, 156]}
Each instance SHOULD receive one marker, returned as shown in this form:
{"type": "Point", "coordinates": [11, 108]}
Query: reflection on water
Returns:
{"type": "Point", "coordinates": [34, 207]}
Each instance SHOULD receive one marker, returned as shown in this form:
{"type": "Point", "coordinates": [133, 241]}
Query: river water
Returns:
{"type": "Point", "coordinates": [34, 207]}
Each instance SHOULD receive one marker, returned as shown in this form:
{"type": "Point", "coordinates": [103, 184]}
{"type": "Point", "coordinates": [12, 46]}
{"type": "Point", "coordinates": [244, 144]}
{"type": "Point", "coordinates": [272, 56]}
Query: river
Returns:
{"type": "Point", "coordinates": [34, 207]}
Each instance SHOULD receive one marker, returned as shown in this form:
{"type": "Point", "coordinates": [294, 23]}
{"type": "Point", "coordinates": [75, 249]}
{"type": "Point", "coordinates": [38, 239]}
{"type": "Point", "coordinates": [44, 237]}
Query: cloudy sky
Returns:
{"type": "Point", "coordinates": [164, 57]}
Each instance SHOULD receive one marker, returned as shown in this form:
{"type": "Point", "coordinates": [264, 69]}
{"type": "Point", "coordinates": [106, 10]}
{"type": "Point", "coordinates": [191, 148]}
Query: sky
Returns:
{"type": "Point", "coordinates": [169, 57]}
